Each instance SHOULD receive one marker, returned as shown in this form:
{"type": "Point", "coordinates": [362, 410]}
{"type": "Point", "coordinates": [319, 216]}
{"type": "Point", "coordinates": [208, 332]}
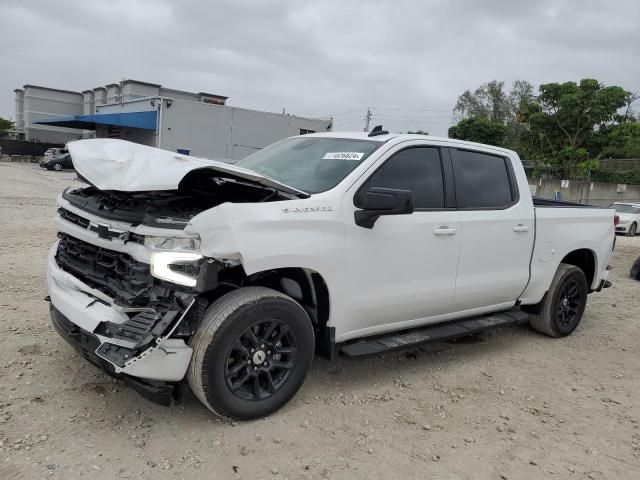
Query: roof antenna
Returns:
{"type": "Point", "coordinates": [377, 130]}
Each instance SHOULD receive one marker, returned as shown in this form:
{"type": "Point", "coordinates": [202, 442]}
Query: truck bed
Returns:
{"type": "Point", "coordinates": [563, 227]}
{"type": "Point", "coordinates": [547, 202]}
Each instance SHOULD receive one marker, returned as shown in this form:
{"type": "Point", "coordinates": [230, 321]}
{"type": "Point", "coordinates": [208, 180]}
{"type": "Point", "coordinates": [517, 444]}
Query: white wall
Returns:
{"type": "Point", "coordinates": [215, 131]}
{"type": "Point", "coordinates": [137, 135]}
{"type": "Point", "coordinates": [40, 103]}
{"type": "Point", "coordinates": [139, 105]}
{"type": "Point", "coordinates": [133, 90]}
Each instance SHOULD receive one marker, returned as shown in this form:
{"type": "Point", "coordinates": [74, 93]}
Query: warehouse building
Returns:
{"type": "Point", "coordinates": [200, 124]}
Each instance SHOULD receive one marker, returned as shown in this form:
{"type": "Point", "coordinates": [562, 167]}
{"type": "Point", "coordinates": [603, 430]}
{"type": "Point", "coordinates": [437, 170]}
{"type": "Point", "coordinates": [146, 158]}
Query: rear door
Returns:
{"type": "Point", "coordinates": [403, 269]}
{"type": "Point", "coordinates": [497, 231]}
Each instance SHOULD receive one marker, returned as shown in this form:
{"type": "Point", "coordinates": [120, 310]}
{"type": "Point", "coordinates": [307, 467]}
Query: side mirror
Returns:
{"type": "Point", "coordinates": [378, 201]}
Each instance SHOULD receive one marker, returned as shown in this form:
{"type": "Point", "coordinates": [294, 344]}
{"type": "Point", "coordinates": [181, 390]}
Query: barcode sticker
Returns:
{"type": "Point", "coordinates": [343, 156]}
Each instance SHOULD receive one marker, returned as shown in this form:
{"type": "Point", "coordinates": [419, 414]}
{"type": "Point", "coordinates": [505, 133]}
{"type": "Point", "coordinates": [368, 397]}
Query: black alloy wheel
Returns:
{"type": "Point", "coordinates": [561, 309]}
{"type": "Point", "coordinates": [260, 360]}
{"type": "Point", "coordinates": [251, 352]}
{"type": "Point", "coordinates": [570, 305]}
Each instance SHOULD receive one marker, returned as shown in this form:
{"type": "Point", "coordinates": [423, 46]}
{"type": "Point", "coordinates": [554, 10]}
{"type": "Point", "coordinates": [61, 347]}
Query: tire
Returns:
{"type": "Point", "coordinates": [632, 230]}
{"type": "Point", "coordinates": [634, 273]}
{"type": "Point", "coordinates": [564, 303]}
{"type": "Point", "coordinates": [223, 369]}
{"type": "Point", "coordinates": [57, 167]}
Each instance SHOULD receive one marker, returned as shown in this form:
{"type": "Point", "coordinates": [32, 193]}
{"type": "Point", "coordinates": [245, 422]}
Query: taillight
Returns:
{"type": "Point", "coordinates": [616, 220]}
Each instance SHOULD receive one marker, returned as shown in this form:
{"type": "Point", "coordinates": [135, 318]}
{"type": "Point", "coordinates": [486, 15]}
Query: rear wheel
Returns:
{"type": "Point", "coordinates": [251, 353]}
{"type": "Point", "coordinates": [632, 230]}
{"type": "Point", "coordinates": [564, 304]}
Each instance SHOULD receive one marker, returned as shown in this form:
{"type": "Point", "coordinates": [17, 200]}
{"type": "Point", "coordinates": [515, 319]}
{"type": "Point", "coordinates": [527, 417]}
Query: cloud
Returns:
{"type": "Point", "coordinates": [407, 60]}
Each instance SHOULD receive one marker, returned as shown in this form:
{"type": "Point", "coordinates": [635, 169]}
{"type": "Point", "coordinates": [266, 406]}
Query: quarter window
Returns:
{"type": "Point", "coordinates": [415, 169]}
{"type": "Point", "coordinates": [482, 180]}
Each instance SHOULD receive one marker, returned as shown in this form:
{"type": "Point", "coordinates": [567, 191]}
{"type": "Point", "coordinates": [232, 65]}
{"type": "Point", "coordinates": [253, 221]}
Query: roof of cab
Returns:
{"type": "Point", "coordinates": [398, 137]}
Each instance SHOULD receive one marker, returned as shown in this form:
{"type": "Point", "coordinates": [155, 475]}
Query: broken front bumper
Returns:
{"type": "Point", "coordinates": [137, 346]}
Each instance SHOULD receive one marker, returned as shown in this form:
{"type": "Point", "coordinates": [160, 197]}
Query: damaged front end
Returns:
{"type": "Point", "coordinates": [111, 308]}
{"type": "Point", "coordinates": [127, 282]}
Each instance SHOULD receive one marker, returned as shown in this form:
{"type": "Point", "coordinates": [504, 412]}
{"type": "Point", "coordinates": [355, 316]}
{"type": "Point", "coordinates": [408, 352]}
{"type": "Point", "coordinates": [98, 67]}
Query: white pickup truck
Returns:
{"type": "Point", "coordinates": [170, 268]}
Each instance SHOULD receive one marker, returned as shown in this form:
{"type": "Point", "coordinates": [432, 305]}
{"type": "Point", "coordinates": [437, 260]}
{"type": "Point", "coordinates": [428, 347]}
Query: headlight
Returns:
{"type": "Point", "coordinates": [166, 266]}
{"type": "Point", "coordinates": [175, 259]}
{"type": "Point", "coordinates": [172, 243]}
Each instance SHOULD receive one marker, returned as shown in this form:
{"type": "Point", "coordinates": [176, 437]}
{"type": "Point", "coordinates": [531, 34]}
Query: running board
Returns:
{"type": "Point", "coordinates": [433, 333]}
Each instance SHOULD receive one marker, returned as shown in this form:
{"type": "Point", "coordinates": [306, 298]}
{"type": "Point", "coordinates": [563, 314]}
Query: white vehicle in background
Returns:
{"type": "Point", "coordinates": [54, 152]}
{"type": "Point", "coordinates": [171, 269]}
{"type": "Point", "coordinates": [629, 214]}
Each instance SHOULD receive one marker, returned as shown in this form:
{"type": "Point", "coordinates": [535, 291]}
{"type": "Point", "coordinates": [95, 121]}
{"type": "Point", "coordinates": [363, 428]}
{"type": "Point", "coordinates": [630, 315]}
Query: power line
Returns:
{"type": "Point", "coordinates": [340, 119]}
{"type": "Point", "coordinates": [415, 109]}
{"type": "Point", "coordinates": [346, 111]}
{"type": "Point", "coordinates": [438, 117]}
{"type": "Point", "coordinates": [398, 120]}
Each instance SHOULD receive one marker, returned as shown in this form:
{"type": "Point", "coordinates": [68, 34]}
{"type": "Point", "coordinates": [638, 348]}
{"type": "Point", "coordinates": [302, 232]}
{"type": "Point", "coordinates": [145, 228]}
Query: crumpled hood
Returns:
{"type": "Point", "coordinates": [111, 164]}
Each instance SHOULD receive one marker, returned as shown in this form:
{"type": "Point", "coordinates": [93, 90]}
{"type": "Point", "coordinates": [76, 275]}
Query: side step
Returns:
{"type": "Point", "coordinates": [432, 333]}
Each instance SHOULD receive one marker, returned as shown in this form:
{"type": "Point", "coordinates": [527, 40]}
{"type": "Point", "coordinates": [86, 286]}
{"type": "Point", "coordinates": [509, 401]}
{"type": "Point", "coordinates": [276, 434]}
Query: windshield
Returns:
{"type": "Point", "coordinates": [620, 208]}
{"type": "Point", "coordinates": [312, 164]}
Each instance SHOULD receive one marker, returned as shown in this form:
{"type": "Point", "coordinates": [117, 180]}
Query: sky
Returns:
{"type": "Point", "coordinates": [406, 60]}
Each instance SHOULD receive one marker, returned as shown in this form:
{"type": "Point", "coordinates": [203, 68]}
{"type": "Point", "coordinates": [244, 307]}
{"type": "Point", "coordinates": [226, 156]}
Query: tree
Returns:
{"type": "Point", "coordinates": [573, 110]}
{"type": "Point", "coordinates": [491, 101]}
{"type": "Point", "coordinates": [623, 141]}
{"type": "Point", "coordinates": [565, 129]}
{"type": "Point", "coordinates": [419, 132]}
{"type": "Point", "coordinates": [521, 95]}
{"type": "Point", "coordinates": [571, 120]}
{"type": "Point", "coordinates": [487, 101]}
{"type": "Point", "coordinates": [479, 129]}
{"type": "Point", "coordinates": [5, 125]}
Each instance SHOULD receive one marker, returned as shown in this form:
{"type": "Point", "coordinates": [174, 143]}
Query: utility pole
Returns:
{"type": "Point", "coordinates": [367, 119]}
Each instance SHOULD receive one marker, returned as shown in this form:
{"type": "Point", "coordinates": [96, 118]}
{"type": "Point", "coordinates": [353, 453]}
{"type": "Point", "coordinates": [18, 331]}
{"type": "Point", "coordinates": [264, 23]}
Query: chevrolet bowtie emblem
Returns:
{"type": "Point", "coordinates": [105, 231]}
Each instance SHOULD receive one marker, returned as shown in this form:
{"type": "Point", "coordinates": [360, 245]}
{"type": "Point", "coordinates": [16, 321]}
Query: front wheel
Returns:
{"type": "Point", "coordinates": [564, 303]}
{"type": "Point", "coordinates": [251, 353]}
{"type": "Point", "coordinates": [632, 230]}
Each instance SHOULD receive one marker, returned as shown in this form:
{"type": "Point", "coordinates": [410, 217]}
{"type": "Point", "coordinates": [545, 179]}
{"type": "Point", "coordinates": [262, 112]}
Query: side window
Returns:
{"type": "Point", "coordinates": [417, 169]}
{"type": "Point", "coordinates": [482, 180]}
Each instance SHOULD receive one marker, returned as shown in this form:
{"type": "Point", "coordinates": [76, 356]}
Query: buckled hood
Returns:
{"type": "Point", "coordinates": [110, 164]}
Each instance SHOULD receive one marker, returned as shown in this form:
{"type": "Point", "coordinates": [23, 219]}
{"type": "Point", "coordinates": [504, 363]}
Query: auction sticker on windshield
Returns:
{"type": "Point", "coordinates": [343, 156]}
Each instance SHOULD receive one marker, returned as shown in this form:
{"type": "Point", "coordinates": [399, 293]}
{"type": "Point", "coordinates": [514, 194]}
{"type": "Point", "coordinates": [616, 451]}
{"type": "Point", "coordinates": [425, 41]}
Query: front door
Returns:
{"type": "Point", "coordinates": [403, 269]}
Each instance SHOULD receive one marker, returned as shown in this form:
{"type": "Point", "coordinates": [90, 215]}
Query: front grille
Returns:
{"type": "Point", "coordinates": [116, 274]}
{"type": "Point", "coordinates": [73, 218]}
{"type": "Point", "coordinates": [85, 223]}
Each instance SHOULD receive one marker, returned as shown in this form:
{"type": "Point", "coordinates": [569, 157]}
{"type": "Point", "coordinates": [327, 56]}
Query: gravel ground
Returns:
{"type": "Point", "coordinates": [511, 404]}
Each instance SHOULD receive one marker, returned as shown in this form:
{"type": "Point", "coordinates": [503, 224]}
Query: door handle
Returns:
{"type": "Point", "coordinates": [520, 228]}
{"type": "Point", "coordinates": [444, 230]}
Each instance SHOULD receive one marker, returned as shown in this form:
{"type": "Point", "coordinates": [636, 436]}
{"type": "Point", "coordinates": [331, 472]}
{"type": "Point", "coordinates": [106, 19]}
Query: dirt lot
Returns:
{"type": "Point", "coordinates": [511, 404]}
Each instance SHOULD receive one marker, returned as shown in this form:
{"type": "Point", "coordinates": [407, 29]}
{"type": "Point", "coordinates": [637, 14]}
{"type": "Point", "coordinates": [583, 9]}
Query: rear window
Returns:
{"type": "Point", "coordinates": [482, 180]}
{"type": "Point", "coordinates": [626, 208]}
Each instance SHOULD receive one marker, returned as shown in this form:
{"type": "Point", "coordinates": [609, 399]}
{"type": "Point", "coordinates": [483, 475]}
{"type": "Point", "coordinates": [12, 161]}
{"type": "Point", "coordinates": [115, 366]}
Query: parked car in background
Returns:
{"type": "Point", "coordinates": [629, 214]}
{"type": "Point", "coordinates": [58, 161]}
{"type": "Point", "coordinates": [53, 152]}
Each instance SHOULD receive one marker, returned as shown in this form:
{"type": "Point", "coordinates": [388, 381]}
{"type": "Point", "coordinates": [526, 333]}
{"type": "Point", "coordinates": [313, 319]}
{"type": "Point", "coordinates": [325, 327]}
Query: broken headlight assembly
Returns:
{"type": "Point", "coordinates": [175, 259]}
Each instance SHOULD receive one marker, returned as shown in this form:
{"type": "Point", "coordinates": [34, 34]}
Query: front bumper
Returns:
{"type": "Point", "coordinates": [623, 228]}
{"type": "Point", "coordinates": [88, 310]}
{"type": "Point", "coordinates": [163, 393]}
